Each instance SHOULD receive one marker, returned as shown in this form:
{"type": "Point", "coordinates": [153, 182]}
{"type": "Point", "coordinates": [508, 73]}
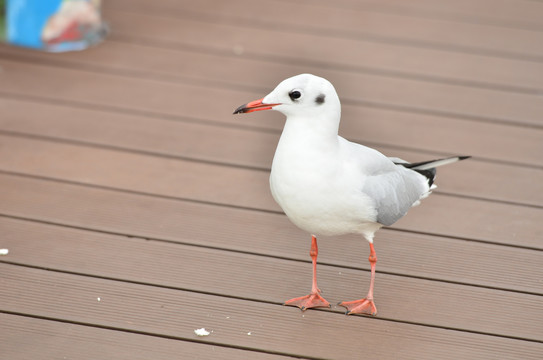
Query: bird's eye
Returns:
{"type": "Point", "coordinates": [295, 95]}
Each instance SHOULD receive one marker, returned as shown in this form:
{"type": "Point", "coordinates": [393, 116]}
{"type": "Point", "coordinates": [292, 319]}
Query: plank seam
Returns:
{"type": "Point", "coordinates": [329, 33]}
{"type": "Point", "coordinates": [204, 122]}
{"type": "Point", "coordinates": [432, 15]}
{"type": "Point", "coordinates": [157, 335]}
{"type": "Point", "coordinates": [392, 320]}
{"type": "Point", "coordinates": [244, 252]}
{"type": "Point", "coordinates": [286, 60]}
{"type": "Point", "coordinates": [231, 206]}
{"type": "Point", "coordinates": [81, 143]}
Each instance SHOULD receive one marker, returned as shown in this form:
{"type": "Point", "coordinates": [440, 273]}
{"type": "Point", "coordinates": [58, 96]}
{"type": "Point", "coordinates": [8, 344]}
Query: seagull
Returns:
{"type": "Point", "coordinates": [329, 186]}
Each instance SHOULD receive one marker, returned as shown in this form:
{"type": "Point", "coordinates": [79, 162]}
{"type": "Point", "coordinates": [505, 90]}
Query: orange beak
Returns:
{"type": "Point", "coordinates": [256, 105]}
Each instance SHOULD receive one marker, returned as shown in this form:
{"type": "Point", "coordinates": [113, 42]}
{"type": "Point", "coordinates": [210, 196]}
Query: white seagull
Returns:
{"type": "Point", "coordinates": [329, 186]}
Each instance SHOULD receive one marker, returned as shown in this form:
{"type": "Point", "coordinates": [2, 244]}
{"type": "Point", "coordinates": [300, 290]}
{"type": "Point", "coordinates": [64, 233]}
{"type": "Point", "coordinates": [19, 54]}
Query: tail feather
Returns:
{"type": "Point", "coordinates": [428, 168]}
{"type": "Point", "coordinates": [427, 165]}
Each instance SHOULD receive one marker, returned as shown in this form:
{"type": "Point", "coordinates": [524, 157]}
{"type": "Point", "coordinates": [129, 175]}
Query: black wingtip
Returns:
{"type": "Point", "coordinates": [464, 157]}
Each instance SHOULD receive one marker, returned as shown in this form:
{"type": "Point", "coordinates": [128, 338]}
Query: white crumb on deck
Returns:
{"type": "Point", "coordinates": [4, 251]}
{"type": "Point", "coordinates": [201, 332]}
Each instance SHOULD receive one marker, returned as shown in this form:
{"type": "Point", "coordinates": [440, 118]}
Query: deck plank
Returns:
{"type": "Point", "coordinates": [187, 61]}
{"type": "Point", "coordinates": [376, 126]}
{"type": "Point", "coordinates": [248, 188]}
{"type": "Point", "coordinates": [401, 253]}
{"type": "Point", "coordinates": [477, 104]}
{"type": "Point", "coordinates": [350, 55]}
{"type": "Point", "coordinates": [258, 278]}
{"type": "Point", "coordinates": [354, 22]}
{"type": "Point", "coordinates": [58, 340]}
{"type": "Point", "coordinates": [259, 326]}
{"type": "Point", "coordinates": [507, 13]}
{"type": "Point", "coordinates": [229, 146]}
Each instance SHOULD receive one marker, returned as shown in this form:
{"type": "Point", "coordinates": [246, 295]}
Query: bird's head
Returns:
{"type": "Point", "coordinates": [304, 95]}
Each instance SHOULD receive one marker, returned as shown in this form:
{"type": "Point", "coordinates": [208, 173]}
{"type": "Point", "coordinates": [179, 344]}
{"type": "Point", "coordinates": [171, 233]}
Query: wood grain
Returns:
{"type": "Point", "coordinates": [262, 326]}
{"type": "Point", "coordinates": [359, 21]}
{"type": "Point", "coordinates": [437, 98]}
{"type": "Point", "coordinates": [269, 234]}
{"type": "Point", "coordinates": [247, 188]}
{"type": "Point", "coordinates": [60, 340]}
{"type": "Point", "coordinates": [259, 278]}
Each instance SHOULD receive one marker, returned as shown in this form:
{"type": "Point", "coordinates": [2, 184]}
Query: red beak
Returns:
{"type": "Point", "coordinates": [256, 105]}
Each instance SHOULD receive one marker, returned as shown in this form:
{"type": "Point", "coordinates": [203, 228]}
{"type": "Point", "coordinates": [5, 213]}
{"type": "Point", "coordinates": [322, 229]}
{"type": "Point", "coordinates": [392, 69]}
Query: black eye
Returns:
{"type": "Point", "coordinates": [294, 95]}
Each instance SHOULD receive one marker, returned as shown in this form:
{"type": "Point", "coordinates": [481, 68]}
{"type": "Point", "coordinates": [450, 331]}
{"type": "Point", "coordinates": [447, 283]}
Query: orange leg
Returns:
{"type": "Point", "coordinates": [366, 305]}
{"type": "Point", "coordinates": [313, 299]}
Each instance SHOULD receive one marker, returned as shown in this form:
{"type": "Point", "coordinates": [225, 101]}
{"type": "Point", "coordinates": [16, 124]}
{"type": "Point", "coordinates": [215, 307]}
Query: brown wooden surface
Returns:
{"type": "Point", "coordinates": [136, 208]}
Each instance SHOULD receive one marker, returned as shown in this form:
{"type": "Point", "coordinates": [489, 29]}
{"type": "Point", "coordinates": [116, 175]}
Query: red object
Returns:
{"type": "Point", "coordinates": [314, 299]}
{"type": "Point", "coordinates": [71, 33]}
{"type": "Point", "coordinates": [256, 105]}
{"type": "Point", "coordinates": [365, 305]}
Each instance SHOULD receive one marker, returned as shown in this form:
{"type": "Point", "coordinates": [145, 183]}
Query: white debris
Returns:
{"type": "Point", "coordinates": [249, 333]}
{"type": "Point", "coordinates": [201, 332]}
{"type": "Point", "coordinates": [98, 299]}
{"type": "Point", "coordinates": [4, 251]}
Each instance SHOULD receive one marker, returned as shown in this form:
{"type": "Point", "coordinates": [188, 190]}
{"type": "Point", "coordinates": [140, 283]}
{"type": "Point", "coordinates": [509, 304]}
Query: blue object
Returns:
{"type": "Point", "coordinates": [26, 18]}
{"type": "Point", "coordinates": [54, 25]}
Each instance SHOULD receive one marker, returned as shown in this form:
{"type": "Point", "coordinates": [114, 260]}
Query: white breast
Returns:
{"type": "Point", "coordinates": [316, 189]}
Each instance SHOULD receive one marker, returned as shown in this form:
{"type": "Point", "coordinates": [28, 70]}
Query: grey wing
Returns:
{"type": "Point", "coordinates": [395, 192]}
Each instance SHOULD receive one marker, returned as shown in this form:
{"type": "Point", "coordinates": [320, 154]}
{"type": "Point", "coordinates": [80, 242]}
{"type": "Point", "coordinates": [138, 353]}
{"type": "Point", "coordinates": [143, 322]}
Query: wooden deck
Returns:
{"type": "Point", "coordinates": [136, 208]}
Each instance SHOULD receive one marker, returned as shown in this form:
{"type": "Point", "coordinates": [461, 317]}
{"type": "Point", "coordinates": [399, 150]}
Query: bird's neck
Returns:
{"type": "Point", "coordinates": [314, 130]}
{"type": "Point", "coordinates": [303, 139]}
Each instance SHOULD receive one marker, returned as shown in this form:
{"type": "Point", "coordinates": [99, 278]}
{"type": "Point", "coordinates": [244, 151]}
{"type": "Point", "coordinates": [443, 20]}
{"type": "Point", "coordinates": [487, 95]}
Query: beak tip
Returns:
{"type": "Point", "coordinates": [240, 110]}
{"type": "Point", "coordinates": [256, 105]}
